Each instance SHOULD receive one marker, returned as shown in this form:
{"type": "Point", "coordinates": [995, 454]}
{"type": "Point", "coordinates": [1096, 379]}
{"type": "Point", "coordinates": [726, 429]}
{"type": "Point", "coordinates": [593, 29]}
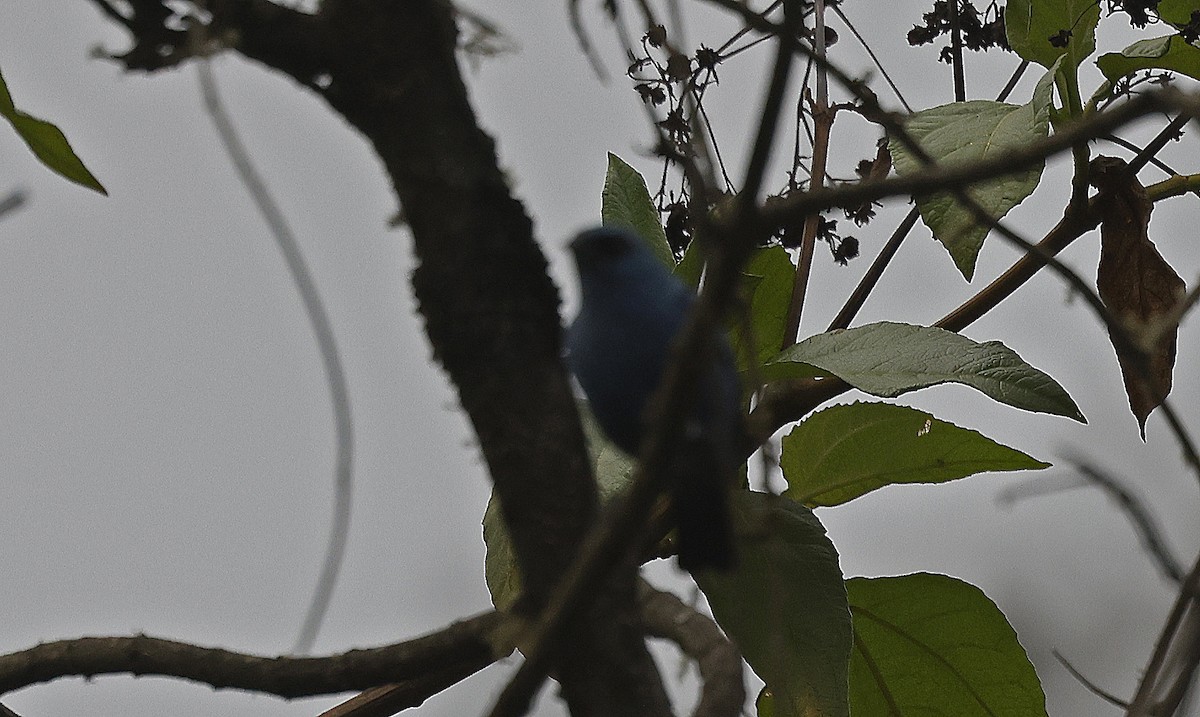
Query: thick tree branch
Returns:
{"type": "Point", "coordinates": [288, 40]}
{"type": "Point", "coordinates": [481, 282]}
{"type": "Point", "coordinates": [425, 665]}
{"type": "Point", "coordinates": [485, 295]}
{"type": "Point", "coordinates": [698, 637]}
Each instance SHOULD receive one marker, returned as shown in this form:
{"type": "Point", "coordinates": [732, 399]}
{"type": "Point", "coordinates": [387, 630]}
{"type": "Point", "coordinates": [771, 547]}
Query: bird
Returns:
{"type": "Point", "coordinates": [618, 348]}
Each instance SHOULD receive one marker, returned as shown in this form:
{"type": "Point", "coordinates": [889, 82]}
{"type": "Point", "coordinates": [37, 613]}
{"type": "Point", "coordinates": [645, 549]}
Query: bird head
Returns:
{"type": "Point", "coordinates": [614, 256]}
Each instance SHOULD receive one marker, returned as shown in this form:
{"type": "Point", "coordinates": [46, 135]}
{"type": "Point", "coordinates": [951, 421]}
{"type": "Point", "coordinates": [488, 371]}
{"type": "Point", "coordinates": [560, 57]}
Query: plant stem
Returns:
{"type": "Point", "coordinates": [1068, 85]}
{"type": "Point", "coordinates": [956, 56]}
{"type": "Point", "coordinates": [859, 296]}
{"type": "Point", "coordinates": [823, 116]}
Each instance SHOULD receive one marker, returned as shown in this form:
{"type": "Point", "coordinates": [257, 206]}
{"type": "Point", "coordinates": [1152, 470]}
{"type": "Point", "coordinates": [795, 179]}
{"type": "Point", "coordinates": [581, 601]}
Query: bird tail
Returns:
{"type": "Point", "coordinates": [700, 508]}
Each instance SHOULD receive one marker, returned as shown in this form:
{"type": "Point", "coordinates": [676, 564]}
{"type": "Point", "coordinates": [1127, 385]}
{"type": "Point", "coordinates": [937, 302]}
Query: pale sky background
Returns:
{"type": "Point", "coordinates": [167, 443]}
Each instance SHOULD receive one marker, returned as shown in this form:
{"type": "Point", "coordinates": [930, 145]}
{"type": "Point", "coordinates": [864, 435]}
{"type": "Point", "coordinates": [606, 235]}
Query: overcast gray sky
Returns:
{"type": "Point", "coordinates": [167, 443]}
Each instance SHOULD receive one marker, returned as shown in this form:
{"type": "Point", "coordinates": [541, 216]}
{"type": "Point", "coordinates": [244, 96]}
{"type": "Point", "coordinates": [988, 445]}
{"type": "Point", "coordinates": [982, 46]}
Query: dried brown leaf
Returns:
{"type": "Point", "coordinates": [1136, 285]}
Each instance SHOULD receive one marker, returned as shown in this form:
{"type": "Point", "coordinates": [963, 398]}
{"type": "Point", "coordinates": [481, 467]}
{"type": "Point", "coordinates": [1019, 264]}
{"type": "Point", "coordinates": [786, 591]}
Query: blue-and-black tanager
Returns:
{"type": "Point", "coordinates": [618, 348]}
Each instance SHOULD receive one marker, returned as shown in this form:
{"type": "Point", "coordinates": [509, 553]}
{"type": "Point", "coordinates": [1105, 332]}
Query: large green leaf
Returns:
{"type": "Point", "coordinates": [1158, 53]}
{"type": "Point", "coordinates": [1178, 12]}
{"type": "Point", "coordinates": [691, 265]}
{"type": "Point", "coordinates": [846, 451]}
{"type": "Point", "coordinates": [934, 645]}
{"type": "Point", "coordinates": [1031, 25]}
{"type": "Point", "coordinates": [626, 202]}
{"type": "Point", "coordinates": [888, 359]}
{"type": "Point", "coordinates": [966, 133]}
{"type": "Point", "coordinates": [500, 570]}
{"type": "Point", "coordinates": [785, 606]}
{"type": "Point", "coordinates": [769, 278]}
{"type": "Point", "coordinates": [48, 143]}
{"type": "Point", "coordinates": [757, 333]}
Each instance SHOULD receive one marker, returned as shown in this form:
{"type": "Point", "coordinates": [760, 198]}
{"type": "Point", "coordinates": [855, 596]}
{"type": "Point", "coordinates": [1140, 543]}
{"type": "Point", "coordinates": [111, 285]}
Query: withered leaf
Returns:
{"type": "Point", "coordinates": [679, 67]}
{"type": "Point", "coordinates": [1135, 283]}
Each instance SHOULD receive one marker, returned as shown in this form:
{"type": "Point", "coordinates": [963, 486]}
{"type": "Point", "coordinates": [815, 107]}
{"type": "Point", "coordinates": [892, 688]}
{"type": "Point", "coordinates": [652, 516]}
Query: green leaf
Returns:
{"type": "Point", "coordinates": [888, 359]}
{"type": "Point", "coordinates": [843, 452]}
{"type": "Point", "coordinates": [48, 143]}
{"type": "Point", "coordinates": [1030, 25]}
{"type": "Point", "coordinates": [691, 266]}
{"type": "Point", "coordinates": [1177, 12]}
{"type": "Point", "coordinates": [613, 469]}
{"type": "Point", "coordinates": [933, 645]}
{"type": "Point", "coordinates": [966, 133]}
{"type": "Point", "coordinates": [1158, 53]}
{"type": "Point", "coordinates": [785, 605]}
{"type": "Point", "coordinates": [768, 282]}
{"type": "Point", "coordinates": [626, 202]}
{"type": "Point", "coordinates": [500, 570]}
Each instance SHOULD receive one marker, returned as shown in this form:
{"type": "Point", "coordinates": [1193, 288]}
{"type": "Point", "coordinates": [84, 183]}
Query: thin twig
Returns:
{"type": "Point", "coordinates": [1143, 521]}
{"type": "Point", "coordinates": [742, 48]}
{"type": "Point", "coordinates": [769, 118]}
{"type": "Point", "coordinates": [318, 318]}
{"type": "Point", "coordinates": [1013, 80]}
{"type": "Point", "coordinates": [1179, 637]}
{"type": "Point", "coordinates": [1174, 186]}
{"type": "Point", "coordinates": [1154, 146]}
{"type": "Point", "coordinates": [1068, 229]}
{"type": "Point", "coordinates": [802, 128]}
{"type": "Point", "coordinates": [837, 9]}
{"type": "Point", "coordinates": [585, 44]}
{"type": "Point", "coordinates": [13, 200]}
{"type": "Point", "coordinates": [1139, 516]}
{"type": "Point", "coordinates": [710, 133]}
{"type": "Point", "coordinates": [1182, 435]}
{"type": "Point", "coordinates": [867, 284]}
{"type": "Point", "coordinates": [1091, 686]}
{"type": "Point", "coordinates": [1136, 149]}
{"type": "Point", "coordinates": [745, 30]}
